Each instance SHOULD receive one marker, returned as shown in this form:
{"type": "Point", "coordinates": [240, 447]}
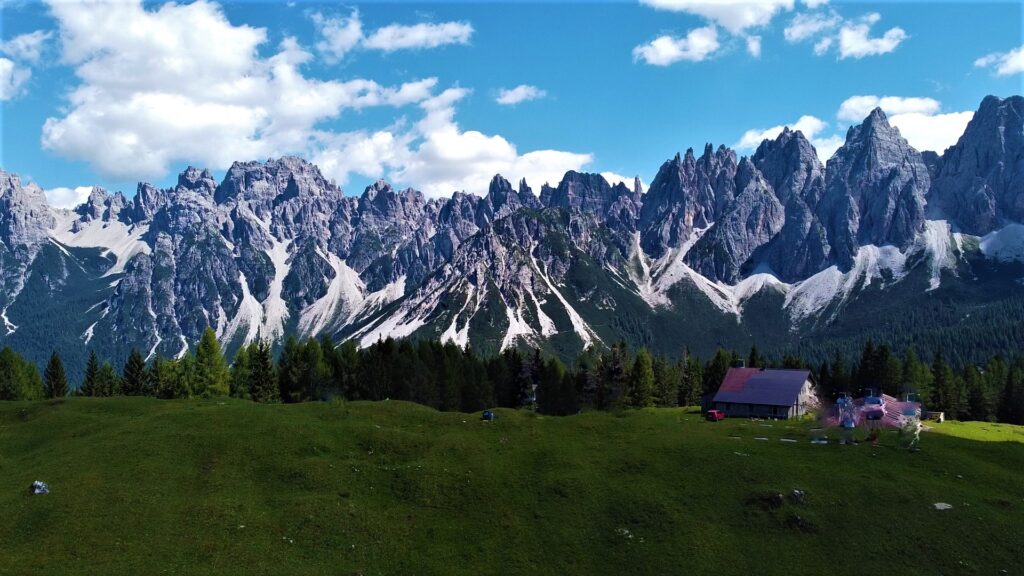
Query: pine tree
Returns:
{"type": "Point", "coordinates": [755, 359]}
{"type": "Point", "coordinates": [946, 391]}
{"type": "Point", "coordinates": [89, 385]}
{"type": "Point", "coordinates": [55, 382]}
{"type": "Point", "coordinates": [108, 383]}
{"type": "Point", "coordinates": [640, 393]}
{"type": "Point", "coordinates": [135, 377]}
{"type": "Point", "coordinates": [917, 377]}
{"type": "Point", "coordinates": [666, 383]}
{"type": "Point", "coordinates": [262, 380]}
{"type": "Point", "coordinates": [614, 375]}
{"type": "Point", "coordinates": [240, 373]}
{"type": "Point", "coordinates": [211, 377]}
{"type": "Point", "coordinates": [19, 379]}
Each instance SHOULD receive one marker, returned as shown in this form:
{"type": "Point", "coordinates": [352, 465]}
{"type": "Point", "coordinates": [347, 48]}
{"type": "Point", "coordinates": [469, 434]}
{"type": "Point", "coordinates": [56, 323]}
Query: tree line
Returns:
{"type": "Point", "coordinates": [448, 377]}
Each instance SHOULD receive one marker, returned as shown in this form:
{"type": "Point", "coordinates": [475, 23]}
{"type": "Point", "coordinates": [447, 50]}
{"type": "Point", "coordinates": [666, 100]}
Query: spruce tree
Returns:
{"type": "Point", "coordinates": [262, 380]}
{"type": "Point", "coordinates": [55, 381]}
{"type": "Point", "coordinates": [641, 381]}
{"type": "Point", "coordinates": [135, 378]}
{"type": "Point", "coordinates": [240, 373]}
{"type": "Point", "coordinates": [108, 383]}
{"type": "Point", "coordinates": [211, 377]}
{"type": "Point", "coordinates": [90, 384]}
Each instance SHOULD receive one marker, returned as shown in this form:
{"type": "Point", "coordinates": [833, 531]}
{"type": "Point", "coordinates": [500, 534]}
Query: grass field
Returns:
{"type": "Point", "coordinates": [142, 486]}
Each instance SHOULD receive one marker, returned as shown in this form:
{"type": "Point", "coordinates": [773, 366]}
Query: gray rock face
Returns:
{"type": "Point", "coordinates": [25, 218]}
{"type": "Point", "coordinates": [791, 167]}
{"type": "Point", "coordinates": [875, 188]}
{"type": "Point", "coordinates": [687, 193]}
{"type": "Point", "coordinates": [980, 181]}
{"type": "Point", "coordinates": [753, 217]}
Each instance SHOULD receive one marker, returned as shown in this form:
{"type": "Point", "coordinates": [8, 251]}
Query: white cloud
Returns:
{"type": "Point", "coordinates": [1005, 63]}
{"type": "Point", "coordinates": [754, 46]}
{"type": "Point", "coordinates": [12, 79]}
{"type": "Point", "coordinates": [812, 4]}
{"type": "Point", "coordinates": [398, 37]}
{"type": "Point", "coordinates": [857, 108]}
{"type": "Point", "coordinates": [810, 126]}
{"type": "Point", "coordinates": [934, 132]}
{"type": "Point", "coordinates": [665, 50]}
{"type": "Point", "coordinates": [614, 179]}
{"type": "Point", "coordinates": [67, 197]}
{"type": "Point", "coordinates": [180, 83]}
{"type": "Point", "coordinates": [822, 46]}
{"type": "Point", "coordinates": [521, 93]}
{"type": "Point", "coordinates": [855, 39]}
{"type": "Point", "coordinates": [338, 35]}
{"type": "Point", "coordinates": [436, 156]}
{"type": "Point", "coordinates": [733, 15]}
{"type": "Point", "coordinates": [807, 25]}
{"type": "Point", "coordinates": [918, 119]}
{"type": "Point", "coordinates": [26, 47]}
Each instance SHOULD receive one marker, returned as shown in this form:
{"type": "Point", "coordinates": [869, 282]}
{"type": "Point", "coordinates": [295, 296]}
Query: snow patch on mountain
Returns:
{"type": "Point", "coordinates": [1005, 244]}
{"type": "Point", "coordinates": [249, 315]}
{"type": "Point", "coordinates": [518, 327]}
{"type": "Point", "coordinates": [940, 246]}
{"type": "Point", "coordinates": [274, 307]}
{"type": "Point", "coordinates": [114, 237]}
{"type": "Point", "coordinates": [578, 324]}
{"type": "Point", "coordinates": [344, 294]}
{"type": "Point", "coordinates": [885, 264]}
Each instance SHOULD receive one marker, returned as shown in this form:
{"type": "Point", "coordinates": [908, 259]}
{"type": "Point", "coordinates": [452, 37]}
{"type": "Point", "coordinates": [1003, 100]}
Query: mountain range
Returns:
{"type": "Point", "coordinates": [775, 249]}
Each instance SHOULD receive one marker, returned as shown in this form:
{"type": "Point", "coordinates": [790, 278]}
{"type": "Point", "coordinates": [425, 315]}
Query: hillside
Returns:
{"type": "Point", "coordinates": [214, 487]}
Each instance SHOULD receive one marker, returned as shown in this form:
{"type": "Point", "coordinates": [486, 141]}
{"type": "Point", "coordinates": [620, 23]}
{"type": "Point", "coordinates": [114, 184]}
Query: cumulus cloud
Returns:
{"type": "Point", "coordinates": [855, 39]}
{"type": "Point", "coordinates": [733, 15]}
{"type": "Point", "coordinates": [181, 83]}
{"type": "Point", "coordinates": [614, 179]}
{"type": "Point", "coordinates": [857, 108]}
{"type": "Point", "coordinates": [67, 197]}
{"type": "Point", "coordinates": [934, 132]}
{"type": "Point", "coordinates": [1005, 63]}
{"type": "Point", "coordinates": [26, 47]}
{"type": "Point", "coordinates": [810, 126]}
{"type": "Point", "coordinates": [339, 35]}
{"type": "Point", "coordinates": [808, 25]}
{"type": "Point", "coordinates": [12, 79]}
{"type": "Point", "coordinates": [852, 37]}
{"type": "Point", "coordinates": [918, 119]}
{"type": "Point", "coordinates": [698, 44]}
{"type": "Point", "coordinates": [521, 93]}
{"type": "Point", "coordinates": [437, 156]}
{"type": "Point", "coordinates": [398, 37]}
{"type": "Point", "coordinates": [754, 46]}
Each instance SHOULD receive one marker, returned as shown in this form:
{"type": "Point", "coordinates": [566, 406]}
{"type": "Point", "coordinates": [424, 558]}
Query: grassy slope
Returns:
{"type": "Point", "coordinates": [148, 486]}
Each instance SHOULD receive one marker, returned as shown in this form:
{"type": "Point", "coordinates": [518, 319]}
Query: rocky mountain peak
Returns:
{"type": "Point", "coordinates": [102, 205]}
{"type": "Point", "coordinates": [25, 217]}
{"type": "Point", "coordinates": [874, 190]}
{"type": "Point", "coordinates": [979, 181]}
{"type": "Point", "coordinates": [197, 180]}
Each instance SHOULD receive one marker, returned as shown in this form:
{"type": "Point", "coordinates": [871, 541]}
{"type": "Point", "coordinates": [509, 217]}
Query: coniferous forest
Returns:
{"type": "Point", "coordinates": [450, 378]}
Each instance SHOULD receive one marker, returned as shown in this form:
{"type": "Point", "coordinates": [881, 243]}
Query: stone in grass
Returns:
{"type": "Point", "coordinates": [39, 487]}
{"type": "Point", "coordinates": [942, 506]}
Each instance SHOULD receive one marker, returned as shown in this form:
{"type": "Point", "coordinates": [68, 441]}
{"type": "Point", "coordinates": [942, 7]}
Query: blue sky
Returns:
{"type": "Point", "coordinates": [110, 94]}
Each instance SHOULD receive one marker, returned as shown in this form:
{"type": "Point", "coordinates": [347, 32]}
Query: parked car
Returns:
{"type": "Point", "coordinates": [715, 415]}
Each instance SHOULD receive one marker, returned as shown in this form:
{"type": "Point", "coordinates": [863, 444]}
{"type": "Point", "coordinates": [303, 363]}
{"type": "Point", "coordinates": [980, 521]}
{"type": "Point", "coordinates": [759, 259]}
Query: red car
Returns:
{"type": "Point", "coordinates": [715, 415]}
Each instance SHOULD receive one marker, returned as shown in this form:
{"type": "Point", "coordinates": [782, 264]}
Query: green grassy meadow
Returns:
{"type": "Point", "coordinates": [144, 486]}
